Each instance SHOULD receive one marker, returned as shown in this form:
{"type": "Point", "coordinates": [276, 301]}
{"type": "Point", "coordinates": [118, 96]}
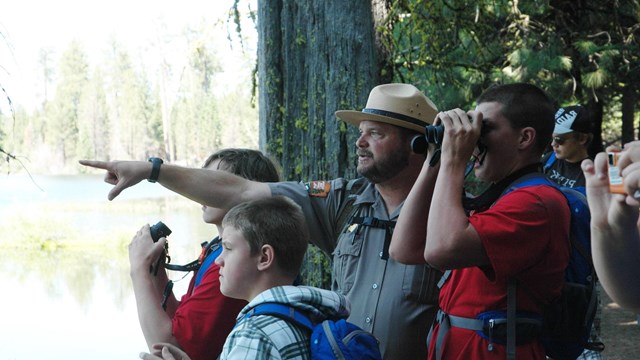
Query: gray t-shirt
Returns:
{"type": "Point", "coordinates": [394, 301]}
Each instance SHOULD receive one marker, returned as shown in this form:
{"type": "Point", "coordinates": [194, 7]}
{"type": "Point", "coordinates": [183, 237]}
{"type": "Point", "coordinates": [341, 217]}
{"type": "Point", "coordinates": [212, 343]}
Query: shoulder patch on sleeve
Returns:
{"type": "Point", "coordinates": [318, 188]}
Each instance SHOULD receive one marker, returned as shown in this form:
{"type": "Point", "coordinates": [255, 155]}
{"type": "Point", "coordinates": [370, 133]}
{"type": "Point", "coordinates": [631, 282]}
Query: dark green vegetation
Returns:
{"type": "Point", "coordinates": [317, 57]}
{"type": "Point", "coordinates": [579, 51]}
{"type": "Point", "coordinates": [320, 56]}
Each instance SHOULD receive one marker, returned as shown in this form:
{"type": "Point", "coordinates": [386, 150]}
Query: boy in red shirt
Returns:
{"type": "Point", "coordinates": [201, 321]}
{"type": "Point", "coordinates": [523, 235]}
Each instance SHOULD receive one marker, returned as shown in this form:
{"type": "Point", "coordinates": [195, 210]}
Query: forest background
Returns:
{"type": "Point", "coordinates": [579, 51]}
{"type": "Point", "coordinates": [310, 59]}
{"type": "Point", "coordinates": [133, 80]}
{"type": "Point", "coordinates": [315, 57]}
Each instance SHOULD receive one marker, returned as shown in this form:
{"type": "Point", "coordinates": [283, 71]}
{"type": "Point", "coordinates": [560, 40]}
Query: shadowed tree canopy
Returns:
{"type": "Point", "coordinates": [583, 51]}
{"type": "Point", "coordinates": [316, 57]}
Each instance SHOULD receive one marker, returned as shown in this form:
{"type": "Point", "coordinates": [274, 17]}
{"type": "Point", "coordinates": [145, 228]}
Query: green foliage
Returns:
{"type": "Point", "coordinates": [61, 126]}
{"type": "Point", "coordinates": [595, 79]}
{"type": "Point", "coordinates": [301, 40]}
{"type": "Point", "coordinates": [580, 52]}
{"type": "Point", "coordinates": [317, 268]}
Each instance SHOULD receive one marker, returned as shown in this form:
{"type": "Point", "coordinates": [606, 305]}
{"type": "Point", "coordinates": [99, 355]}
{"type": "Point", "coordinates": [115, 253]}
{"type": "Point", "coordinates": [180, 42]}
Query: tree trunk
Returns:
{"type": "Point", "coordinates": [629, 97]}
{"type": "Point", "coordinates": [316, 57]}
{"type": "Point", "coordinates": [595, 108]}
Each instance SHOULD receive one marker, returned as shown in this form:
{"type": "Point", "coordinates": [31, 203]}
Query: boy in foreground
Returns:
{"type": "Point", "coordinates": [264, 242]}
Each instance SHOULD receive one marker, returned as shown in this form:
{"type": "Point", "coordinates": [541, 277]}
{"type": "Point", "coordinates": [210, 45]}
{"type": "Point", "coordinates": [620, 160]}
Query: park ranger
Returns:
{"type": "Point", "coordinates": [353, 220]}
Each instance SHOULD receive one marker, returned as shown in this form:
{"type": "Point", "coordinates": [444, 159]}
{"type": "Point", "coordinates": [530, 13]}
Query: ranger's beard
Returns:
{"type": "Point", "coordinates": [383, 167]}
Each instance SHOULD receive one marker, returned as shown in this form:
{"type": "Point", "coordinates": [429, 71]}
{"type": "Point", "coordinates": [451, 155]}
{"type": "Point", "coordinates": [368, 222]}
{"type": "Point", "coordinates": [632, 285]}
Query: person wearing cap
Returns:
{"type": "Point", "coordinates": [485, 244]}
{"type": "Point", "coordinates": [395, 302]}
{"type": "Point", "coordinates": [572, 136]}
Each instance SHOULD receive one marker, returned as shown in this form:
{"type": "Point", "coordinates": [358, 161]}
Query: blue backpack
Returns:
{"type": "Point", "coordinates": [567, 321]}
{"type": "Point", "coordinates": [330, 339]}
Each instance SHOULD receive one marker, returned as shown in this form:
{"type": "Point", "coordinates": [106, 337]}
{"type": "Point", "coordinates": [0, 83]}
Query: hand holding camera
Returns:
{"type": "Point", "coordinates": [157, 231]}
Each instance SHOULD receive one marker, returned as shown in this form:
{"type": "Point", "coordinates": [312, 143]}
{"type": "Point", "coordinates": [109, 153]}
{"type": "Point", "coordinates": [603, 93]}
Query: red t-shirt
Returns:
{"type": "Point", "coordinates": [526, 236]}
{"type": "Point", "coordinates": [205, 317]}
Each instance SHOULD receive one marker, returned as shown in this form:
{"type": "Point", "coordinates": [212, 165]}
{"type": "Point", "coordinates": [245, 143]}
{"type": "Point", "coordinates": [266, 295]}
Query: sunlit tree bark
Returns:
{"type": "Point", "coordinates": [316, 57]}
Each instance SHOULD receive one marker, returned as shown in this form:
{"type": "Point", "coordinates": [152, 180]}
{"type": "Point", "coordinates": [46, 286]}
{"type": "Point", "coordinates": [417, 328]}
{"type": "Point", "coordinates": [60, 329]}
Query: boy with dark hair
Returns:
{"type": "Point", "coordinates": [264, 242]}
{"type": "Point", "coordinates": [521, 236]}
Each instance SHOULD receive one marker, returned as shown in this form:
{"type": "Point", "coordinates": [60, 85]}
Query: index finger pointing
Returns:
{"type": "Point", "coordinates": [94, 163]}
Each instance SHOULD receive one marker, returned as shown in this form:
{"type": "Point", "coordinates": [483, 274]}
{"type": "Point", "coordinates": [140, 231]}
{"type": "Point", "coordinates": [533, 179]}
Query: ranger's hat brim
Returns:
{"type": "Point", "coordinates": [401, 105]}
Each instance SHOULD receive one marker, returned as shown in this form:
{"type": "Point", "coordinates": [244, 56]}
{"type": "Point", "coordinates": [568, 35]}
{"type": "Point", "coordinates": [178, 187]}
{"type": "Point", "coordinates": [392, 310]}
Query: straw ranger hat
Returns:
{"type": "Point", "coordinates": [396, 104]}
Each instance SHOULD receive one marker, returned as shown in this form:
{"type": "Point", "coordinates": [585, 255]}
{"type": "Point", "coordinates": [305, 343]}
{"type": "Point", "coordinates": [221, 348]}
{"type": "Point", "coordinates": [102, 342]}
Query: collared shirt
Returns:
{"type": "Point", "coordinates": [393, 301]}
{"type": "Point", "coordinates": [270, 337]}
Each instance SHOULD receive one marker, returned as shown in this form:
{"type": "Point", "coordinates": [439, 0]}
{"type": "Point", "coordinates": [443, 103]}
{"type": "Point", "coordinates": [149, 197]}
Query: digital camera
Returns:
{"type": "Point", "coordinates": [159, 230]}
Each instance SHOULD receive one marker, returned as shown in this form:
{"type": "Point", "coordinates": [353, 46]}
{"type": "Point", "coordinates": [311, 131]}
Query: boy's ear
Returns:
{"type": "Point", "coordinates": [267, 257]}
{"type": "Point", "coordinates": [527, 137]}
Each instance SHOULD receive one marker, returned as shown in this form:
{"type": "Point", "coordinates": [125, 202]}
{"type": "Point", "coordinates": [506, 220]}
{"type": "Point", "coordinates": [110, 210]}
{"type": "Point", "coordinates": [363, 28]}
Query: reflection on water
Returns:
{"type": "Point", "coordinates": [65, 269]}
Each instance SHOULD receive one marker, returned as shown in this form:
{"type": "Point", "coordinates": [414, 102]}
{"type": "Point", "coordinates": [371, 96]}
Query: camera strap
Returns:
{"type": "Point", "coordinates": [207, 248]}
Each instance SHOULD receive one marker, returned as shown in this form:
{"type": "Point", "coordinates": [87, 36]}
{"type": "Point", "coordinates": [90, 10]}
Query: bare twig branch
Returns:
{"type": "Point", "coordinates": [13, 157]}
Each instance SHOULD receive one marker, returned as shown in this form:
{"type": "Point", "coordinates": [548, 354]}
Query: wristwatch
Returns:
{"type": "Point", "coordinates": [155, 169]}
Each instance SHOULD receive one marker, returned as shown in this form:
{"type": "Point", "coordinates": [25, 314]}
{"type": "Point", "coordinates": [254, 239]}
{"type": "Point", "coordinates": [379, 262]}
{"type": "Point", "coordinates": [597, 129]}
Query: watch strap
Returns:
{"type": "Point", "coordinates": [155, 169]}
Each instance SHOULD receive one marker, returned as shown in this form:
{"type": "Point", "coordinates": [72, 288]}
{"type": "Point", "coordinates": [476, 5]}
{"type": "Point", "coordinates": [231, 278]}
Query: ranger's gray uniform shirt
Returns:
{"type": "Point", "coordinates": [395, 302]}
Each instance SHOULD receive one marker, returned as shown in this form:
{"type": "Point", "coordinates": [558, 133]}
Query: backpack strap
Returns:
{"type": "Point", "coordinates": [496, 190]}
{"type": "Point", "coordinates": [282, 311]}
{"type": "Point", "coordinates": [296, 317]}
{"type": "Point", "coordinates": [447, 321]}
{"type": "Point", "coordinates": [550, 161]}
{"type": "Point", "coordinates": [488, 325]}
{"type": "Point", "coordinates": [352, 190]}
{"type": "Point", "coordinates": [530, 179]}
{"type": "Point", "coordinates": [511, 319]}
{"type": "Point", "coordinates": [347, 216]}
{"type": "Point", "coordinates": [370, 221]}
{"type": "Point", "coordinates": [444, 278]}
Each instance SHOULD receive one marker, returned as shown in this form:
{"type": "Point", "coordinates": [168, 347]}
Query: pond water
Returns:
{"type": "Point", "coordinates": [70, 296]}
